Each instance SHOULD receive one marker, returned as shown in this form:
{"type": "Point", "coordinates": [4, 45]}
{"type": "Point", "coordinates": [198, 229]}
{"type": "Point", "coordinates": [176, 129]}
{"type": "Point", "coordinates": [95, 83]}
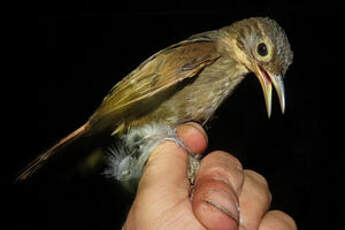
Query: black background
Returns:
{"type": "Point", "coordinates": [64, 57]}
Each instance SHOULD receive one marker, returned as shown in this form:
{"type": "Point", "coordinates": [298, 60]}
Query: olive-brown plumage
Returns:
{"type": "Point", "coordinates": [189, 80]}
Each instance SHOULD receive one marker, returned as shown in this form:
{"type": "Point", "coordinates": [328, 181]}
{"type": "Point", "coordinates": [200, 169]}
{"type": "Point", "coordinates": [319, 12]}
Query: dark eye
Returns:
{"type": "Point", "coordinates": [262, 49]}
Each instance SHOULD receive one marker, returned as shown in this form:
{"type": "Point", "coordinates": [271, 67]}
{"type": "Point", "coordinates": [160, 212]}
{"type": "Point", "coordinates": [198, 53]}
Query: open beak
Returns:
{"type": "Point", "coordinates": [266, 80]}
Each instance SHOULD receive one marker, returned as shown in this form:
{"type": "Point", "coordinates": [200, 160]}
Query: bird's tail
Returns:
{"type": "Point", "coordinates": [37, 163]}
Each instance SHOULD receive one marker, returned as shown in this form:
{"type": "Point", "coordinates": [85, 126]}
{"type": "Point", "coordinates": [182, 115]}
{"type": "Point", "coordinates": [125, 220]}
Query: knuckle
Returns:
{"type": "Point", "coordinates": [257, 177]}
{"type": "Point", "coordinates": [260, 184]}
{"type": "Point", "coordinates": [227, 157]}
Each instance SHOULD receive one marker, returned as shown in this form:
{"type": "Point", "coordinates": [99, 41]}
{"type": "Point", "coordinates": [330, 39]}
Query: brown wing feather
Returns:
{"type": "Point", "coordinates": [159, 72]}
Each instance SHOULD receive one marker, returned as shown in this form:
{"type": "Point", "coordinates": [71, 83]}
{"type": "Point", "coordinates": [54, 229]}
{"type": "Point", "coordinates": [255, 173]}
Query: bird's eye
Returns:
{"type": "Point", "coordinates": [262, 49]}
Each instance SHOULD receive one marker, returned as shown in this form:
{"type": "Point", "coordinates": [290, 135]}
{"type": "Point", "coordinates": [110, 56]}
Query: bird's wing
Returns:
{"type": "Point", "coordinates": [159, 72]}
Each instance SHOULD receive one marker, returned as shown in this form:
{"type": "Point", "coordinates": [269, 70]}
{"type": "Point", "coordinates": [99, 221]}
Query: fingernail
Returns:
{"type": "Point", "coordinates": [199, 128]}
{"type": "Point", "coordinates": [225, 202]}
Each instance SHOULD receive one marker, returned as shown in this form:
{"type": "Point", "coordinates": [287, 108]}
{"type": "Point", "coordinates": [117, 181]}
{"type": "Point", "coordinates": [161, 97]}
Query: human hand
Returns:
{"type": "Point", "coordinates": [225, 195]}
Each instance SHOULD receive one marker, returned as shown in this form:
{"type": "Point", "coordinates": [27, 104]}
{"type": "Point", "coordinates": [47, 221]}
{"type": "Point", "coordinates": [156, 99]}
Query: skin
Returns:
{"type": "Point", "coordinates": [222, 185]}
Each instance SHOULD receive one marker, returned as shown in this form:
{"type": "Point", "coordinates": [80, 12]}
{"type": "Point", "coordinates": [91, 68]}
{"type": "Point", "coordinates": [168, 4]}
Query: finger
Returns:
{"type": "Point", "coordinates": [164, 187]}
{"type": "Point", "coordinates": [276, 219]}
{"type": "Point", "coordinates": [255, 200]}
{"type": "Point", "coordinates": [164, 181]}
{"type": "Point", "coordinates": [167, 165]}
{"type": "Point", "coordinates": [190, 134]}
{"type": "Point", "coordinates": [215, 200]}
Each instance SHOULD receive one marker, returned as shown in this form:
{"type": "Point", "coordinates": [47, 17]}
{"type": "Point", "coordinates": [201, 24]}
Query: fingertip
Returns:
{"type": "Point", "coordinates": [277, 219]}
{"type": "Point", "coordinates": [194, 136]}
{"type": "Point", "coordinates": [199, 128]}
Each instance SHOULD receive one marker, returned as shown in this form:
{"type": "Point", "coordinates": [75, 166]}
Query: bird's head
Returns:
{"type": "Point", "coordinates": [261, 45]}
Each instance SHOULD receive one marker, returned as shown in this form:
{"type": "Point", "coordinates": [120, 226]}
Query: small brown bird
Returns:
{"type": "Point", "coordinates": [186, 81]}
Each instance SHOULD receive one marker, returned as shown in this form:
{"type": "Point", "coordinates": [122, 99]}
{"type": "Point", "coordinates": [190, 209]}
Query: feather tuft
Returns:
{"type": "Point", "coordinates": [127, 158]}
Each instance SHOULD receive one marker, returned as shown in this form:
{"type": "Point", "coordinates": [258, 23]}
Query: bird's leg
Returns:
{"type": "Point", "coordinates": [193, 167]}
{"type": "Point", "coordinates": [193, 159]}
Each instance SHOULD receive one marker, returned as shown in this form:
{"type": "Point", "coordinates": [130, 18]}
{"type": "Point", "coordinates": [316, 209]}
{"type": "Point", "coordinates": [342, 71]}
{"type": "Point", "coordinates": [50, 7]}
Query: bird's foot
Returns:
{"type": "Point", "coordinates": [193, 167]}
{"type": "Point", "coordinates": [193, 159]}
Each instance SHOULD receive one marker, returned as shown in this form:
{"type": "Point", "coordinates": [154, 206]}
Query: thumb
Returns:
{"type": "Point", "coordinates": [166, 170]}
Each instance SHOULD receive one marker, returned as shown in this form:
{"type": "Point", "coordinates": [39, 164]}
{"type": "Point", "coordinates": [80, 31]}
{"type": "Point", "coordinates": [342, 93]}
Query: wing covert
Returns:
{"type": "Point", "coordinates": [159, 72]}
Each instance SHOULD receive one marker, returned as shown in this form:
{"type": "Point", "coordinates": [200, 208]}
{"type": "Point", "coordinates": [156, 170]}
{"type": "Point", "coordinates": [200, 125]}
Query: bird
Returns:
{"type": "Point", "coordinates": [186, 81]}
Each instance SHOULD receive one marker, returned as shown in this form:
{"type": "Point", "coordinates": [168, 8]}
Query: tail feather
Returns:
{"type": "Point", "coordinates": [40, 160]}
